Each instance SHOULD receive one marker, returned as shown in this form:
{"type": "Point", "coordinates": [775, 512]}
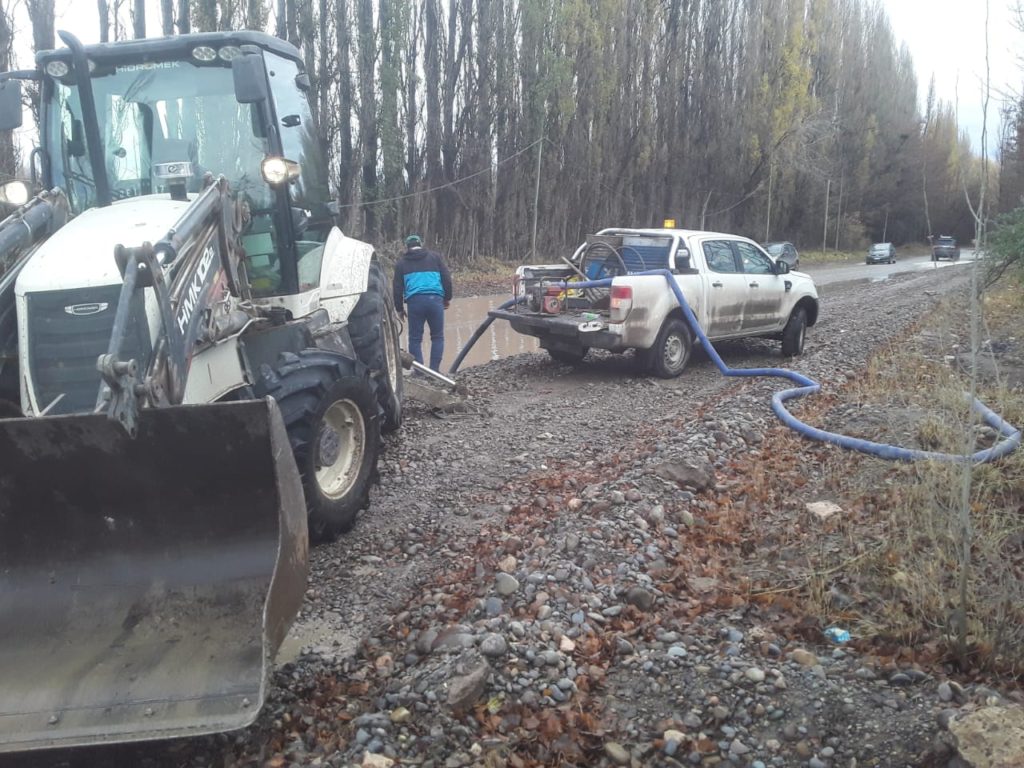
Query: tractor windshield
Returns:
{"type": "Point", "coordinates": [150, 113]}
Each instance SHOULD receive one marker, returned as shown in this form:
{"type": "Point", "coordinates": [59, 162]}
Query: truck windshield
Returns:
{"type": "Point", "coordinates": [156, 112]}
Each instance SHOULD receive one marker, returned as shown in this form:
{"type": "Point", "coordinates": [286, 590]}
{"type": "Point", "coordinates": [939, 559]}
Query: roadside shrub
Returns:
{"type": "Point", "coordinates": [1005, 252]}
{"type": "Point", "coordinates": [912, 564]}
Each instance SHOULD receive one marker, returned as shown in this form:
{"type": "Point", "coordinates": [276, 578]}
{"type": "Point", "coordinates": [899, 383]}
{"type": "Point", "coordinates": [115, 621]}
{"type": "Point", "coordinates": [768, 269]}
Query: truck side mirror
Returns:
{"type": "Point", "coordinates": [681, 260]}
{"type": "Point", "coordinates": [10, 105]}
{"type": "Point", "coordinates": [250, 77]}
{"type": "Point", "coordinates": [781, 267]}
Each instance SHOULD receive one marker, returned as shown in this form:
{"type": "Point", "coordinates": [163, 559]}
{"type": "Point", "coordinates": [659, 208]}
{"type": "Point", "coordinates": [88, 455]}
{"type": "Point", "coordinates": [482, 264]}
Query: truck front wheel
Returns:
{"type": "Point", "coordinates": [671, 350]}
{"type": "Point", "coordinates": [794, 333]}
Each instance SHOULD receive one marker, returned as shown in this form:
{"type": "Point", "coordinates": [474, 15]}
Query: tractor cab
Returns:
{"type": "Point", "coordinates": [149, 118]}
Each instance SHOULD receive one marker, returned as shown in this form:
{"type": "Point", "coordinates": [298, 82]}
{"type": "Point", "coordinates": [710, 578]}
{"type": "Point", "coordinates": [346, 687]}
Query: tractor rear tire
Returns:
{"type": "Point", "coordinates": [330, 411]}
{"type": "Point", "coordinates": [373, 328]}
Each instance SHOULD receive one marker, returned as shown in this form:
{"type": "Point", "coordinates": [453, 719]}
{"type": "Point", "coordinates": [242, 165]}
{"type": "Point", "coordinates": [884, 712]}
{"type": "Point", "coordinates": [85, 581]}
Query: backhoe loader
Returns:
{"type": "Point", "coordinates": [196, 365]}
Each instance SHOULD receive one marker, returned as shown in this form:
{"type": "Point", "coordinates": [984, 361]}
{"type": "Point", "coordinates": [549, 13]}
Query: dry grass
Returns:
{"type": "Point", "coordinates": [906, 570]}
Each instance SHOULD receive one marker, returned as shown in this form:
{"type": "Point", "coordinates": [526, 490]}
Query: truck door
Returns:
{"type": "Point", "coordinates": [726, 290]}
{"type": "Point", "coordinates": [766, 291]}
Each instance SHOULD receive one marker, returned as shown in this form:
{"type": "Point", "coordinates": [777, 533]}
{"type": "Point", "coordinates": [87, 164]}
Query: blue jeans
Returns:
{"type": "Point", "coordinates": [426, 308]}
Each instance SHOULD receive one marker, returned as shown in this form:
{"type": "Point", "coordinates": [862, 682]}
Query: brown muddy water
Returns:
{"type": "Point", "coordinates": [461, 320]}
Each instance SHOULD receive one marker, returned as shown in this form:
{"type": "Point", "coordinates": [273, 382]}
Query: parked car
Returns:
{"type": "Point", "coordinates": [735, 289]}
{"type": "Point", "coordinates": [881, 253]}
{"type": "Point", "coordinates": [946, 248]}
{"type": "Point", "coordinates": [784, 252]}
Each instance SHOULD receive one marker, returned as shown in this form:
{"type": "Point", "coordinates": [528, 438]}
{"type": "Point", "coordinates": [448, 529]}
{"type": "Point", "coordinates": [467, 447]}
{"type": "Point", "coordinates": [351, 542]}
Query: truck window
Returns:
{"type": "Point", "coordinates": [754, 262]}
{"type": "Point", "coordinates": [719, 256]}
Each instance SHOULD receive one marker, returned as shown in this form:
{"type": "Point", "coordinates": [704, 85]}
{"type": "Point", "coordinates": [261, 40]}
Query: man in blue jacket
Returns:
{"type": "Point", "coordinates": [424, 285]}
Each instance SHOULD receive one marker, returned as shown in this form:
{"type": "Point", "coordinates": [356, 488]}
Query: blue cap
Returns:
{"type": "Point", "coordinates": [413, 240]}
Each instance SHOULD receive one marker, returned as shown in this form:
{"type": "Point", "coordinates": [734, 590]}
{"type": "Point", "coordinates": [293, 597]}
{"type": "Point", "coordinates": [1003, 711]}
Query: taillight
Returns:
{"type": "Point", "coordinates": [621, 302]}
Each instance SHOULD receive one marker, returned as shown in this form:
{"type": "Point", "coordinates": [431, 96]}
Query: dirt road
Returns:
{"type": "Point", "coordinates": [556, 578]}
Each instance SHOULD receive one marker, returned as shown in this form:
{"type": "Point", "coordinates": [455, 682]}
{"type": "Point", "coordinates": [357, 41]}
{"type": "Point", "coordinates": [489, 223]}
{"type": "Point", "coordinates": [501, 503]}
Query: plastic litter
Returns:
{"type": "Point", "coordinates": [837, 635]}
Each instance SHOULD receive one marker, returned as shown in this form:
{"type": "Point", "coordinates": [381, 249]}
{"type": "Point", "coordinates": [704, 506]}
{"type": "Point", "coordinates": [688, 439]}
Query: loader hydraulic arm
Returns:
{"type": "Point", "coordinates": [38, 218]}
{"type": "Point", "coordinates": [181, 269]}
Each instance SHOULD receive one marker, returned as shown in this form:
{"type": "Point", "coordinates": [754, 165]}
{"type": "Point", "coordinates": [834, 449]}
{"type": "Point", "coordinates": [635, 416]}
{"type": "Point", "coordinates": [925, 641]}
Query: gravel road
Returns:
{"type": "Point", "coordinates": [555, 577]}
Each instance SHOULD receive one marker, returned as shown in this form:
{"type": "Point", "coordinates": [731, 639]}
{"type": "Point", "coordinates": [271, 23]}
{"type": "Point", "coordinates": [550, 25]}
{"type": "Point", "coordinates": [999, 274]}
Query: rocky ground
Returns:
{"type": "Point", "coordinates": [587, 568]}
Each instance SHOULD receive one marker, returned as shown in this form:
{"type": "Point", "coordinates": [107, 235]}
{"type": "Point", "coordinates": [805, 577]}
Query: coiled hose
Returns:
{"type": "Point", "coordinates": [806, 386]}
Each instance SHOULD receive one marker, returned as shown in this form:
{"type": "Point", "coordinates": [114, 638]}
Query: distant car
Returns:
{"type": "Point", "coordinates": [784, 252]}
{"type": "Point", "coordinates": [881, 253]}
{"type": "Point", "coordinates": [945, 248]}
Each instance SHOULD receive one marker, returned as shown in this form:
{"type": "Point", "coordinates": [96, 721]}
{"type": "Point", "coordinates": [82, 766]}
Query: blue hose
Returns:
{"type": "Point", "coordinates": [808, 386]}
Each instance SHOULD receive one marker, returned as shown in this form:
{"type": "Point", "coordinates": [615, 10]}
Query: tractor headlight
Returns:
{"type": "Point", "coordinates": [204, 53]}
{"type": "Point", "coordinates": [57, 68]}
{"type": "Point", "coordinates": [278, 170]}
{"type": "Point", "coordinates": [229, 52]}
{"type": "Point", "coordinates": [15, 193]}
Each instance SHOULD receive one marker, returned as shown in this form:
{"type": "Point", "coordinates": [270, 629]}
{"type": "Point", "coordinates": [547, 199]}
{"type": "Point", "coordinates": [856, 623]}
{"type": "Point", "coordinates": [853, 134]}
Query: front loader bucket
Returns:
{"type": "Point", "coordinates": [145, 583]}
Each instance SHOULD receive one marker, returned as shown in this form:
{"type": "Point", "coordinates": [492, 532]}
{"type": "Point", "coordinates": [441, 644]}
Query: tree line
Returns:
{"type": "Point", "coordinates": [481, 124]}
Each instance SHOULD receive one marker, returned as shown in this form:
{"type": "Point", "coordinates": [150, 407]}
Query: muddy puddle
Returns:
{"type": "Point", "coordinates": [461, 320]}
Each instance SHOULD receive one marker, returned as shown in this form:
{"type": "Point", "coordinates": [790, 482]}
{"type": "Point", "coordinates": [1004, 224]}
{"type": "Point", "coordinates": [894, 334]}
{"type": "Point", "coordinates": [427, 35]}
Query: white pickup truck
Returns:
{"type": "Point", "coordinates": [734, 288]}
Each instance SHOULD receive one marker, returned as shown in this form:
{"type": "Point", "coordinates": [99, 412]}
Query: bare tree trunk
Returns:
{"type": "Point", "coordinates": [368, 111]}
{"type": "Point", "coordinates": [255, 18]}
{"type": "Point", "coordinates": [8, 156]}
{"type": "Point", "coordinates": [432, 77]}
{"type": "Point", "coordinates": [324, 76]}
{"type": "Point", "coordinates": [345, 158]}
{"type": "Point", "coordinates": [412, 161]}
{"type": "Point", "coordinates": [167, 17]}
{"type": "Point", "coordinates": [184, 19]}
{"type": "Point", "coordinates": [139, 19]}
{"type": "Point", "coordinates": [281, 21]}
{"type": "Point", "coordinates": [293, 20]}
{"type": "Point", "coordinates": [104, 13]}
{"type": "Point", "coordinates": [206, 16]}
{"type": "Point", "coordinates": [41, 14]}
{"type": "Point", "coordinates": [484, 203]}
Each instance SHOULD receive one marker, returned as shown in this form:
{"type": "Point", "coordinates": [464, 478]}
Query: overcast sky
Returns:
{"type": "Point", "coordinates": [945, 37]}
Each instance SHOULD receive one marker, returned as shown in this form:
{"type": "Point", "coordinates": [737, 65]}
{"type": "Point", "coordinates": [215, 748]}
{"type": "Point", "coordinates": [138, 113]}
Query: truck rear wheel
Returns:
{"type": "Point", "coordinates": [671, 350]}
{"type": "Point", "coordinates": [373, 327]}
{"type": "Point", "coordinates": [329, 407]}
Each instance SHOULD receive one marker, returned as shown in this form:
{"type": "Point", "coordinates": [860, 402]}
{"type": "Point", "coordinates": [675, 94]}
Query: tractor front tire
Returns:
{"type": "Point", "coordinates": [330, 411]}
{"type": "Point", "coordinates": [373, 328]}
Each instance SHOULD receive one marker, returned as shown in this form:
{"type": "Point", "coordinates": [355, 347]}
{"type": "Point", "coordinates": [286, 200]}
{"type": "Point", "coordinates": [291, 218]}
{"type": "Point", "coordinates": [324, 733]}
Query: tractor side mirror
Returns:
{"type": "Point", "coordinates": [10, 105]}
{"type": "Point", "coordinates": [250, 77]}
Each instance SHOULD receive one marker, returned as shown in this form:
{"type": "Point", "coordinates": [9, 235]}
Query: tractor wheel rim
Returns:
{"type": "Point", "coordinates": [673, 354]}
{"type": "Point", "coordinates": [340, 448]}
